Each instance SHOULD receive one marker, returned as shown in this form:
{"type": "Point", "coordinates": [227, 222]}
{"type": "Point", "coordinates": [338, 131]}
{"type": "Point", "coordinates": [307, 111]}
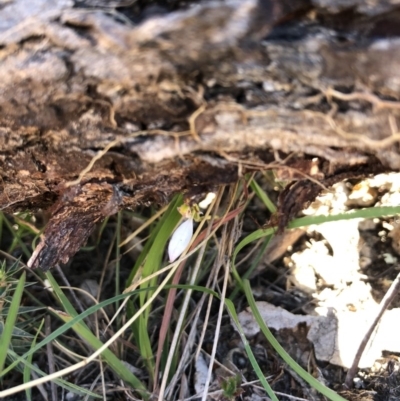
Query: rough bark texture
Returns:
{"type": "Point", "coordinates": [182, 96]}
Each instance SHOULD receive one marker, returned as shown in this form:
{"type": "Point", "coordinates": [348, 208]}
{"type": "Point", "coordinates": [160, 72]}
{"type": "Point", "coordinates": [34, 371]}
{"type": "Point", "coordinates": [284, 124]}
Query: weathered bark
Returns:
{"type": "Point", "coordinates": [175, 101]}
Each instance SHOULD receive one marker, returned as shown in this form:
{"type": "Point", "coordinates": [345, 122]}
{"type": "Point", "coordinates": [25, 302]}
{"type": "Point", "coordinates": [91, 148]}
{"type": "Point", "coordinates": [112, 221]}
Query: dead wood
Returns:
{"type": "Point", "coordinates": [172, 96]}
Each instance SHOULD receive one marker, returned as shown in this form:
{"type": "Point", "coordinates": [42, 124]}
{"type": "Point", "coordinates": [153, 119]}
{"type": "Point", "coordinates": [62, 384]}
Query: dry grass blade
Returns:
{"type": "Point", "coordinates": [146, 224]}
{"type": "Point", "coordinates": [171, 297]}
{"type": "Point", "coordinates": [226, 246]}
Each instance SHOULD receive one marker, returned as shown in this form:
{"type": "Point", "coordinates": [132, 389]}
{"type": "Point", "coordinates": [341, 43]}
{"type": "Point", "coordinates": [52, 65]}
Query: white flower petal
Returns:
{"type": "Point", "coordinates": [180, 239]}
{"type": "Point", "coordinates": [207, 200]}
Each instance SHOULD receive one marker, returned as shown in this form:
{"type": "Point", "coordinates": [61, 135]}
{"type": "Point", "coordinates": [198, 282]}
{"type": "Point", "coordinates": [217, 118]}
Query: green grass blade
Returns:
{"type": "Point", "coordinates": [6, 336]}
{"type": "Point", "coordinates": [251, 269]}
{"type": "Point", "coordinates": [29, 310]}
{"type": "Point", "coordinates": [139, 262]}
{"type": "Point", "coordinates": [368, 213]}
{"type": "Point", "coordinates": [312, 381]}
{"type": "Point", "coordinates": [17, 240]}
{"type": "Point", "coordinates": [263, 196]}
{"type": "Point", "coordinates": [152, 257]}
{"type": "Point", "coordinates": [258, 258]}
{"type": "Point", "coordinates": [254, 236]}
{"type": "Point", "coordinates": [66, 304]}
{"type": "Point", "coordinates": [249, 352]}
{"type": "Point", "coordinates": [155, 253]}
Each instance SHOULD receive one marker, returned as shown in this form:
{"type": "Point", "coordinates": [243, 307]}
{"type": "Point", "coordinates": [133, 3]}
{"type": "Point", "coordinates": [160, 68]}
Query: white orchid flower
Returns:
{"type": "Point", "coordinates": [180, 239]}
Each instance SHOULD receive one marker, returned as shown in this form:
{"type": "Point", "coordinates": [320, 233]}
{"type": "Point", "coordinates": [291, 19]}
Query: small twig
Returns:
{"type": "Point", "coordinates": [386, 301]}
{"type": "Point", "coordinates": [50, 359]}
{"type": "Point", "coordinates": [66, 282]}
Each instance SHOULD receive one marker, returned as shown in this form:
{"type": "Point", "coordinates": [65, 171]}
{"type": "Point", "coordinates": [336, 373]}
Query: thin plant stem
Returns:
{"type": "Point", "coordinates": [386, 301]}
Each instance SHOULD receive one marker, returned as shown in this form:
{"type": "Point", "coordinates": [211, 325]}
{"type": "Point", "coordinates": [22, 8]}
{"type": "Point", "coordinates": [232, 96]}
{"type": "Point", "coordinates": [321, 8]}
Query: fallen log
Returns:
{"type": "Point", "coordinates": [109, 105]}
